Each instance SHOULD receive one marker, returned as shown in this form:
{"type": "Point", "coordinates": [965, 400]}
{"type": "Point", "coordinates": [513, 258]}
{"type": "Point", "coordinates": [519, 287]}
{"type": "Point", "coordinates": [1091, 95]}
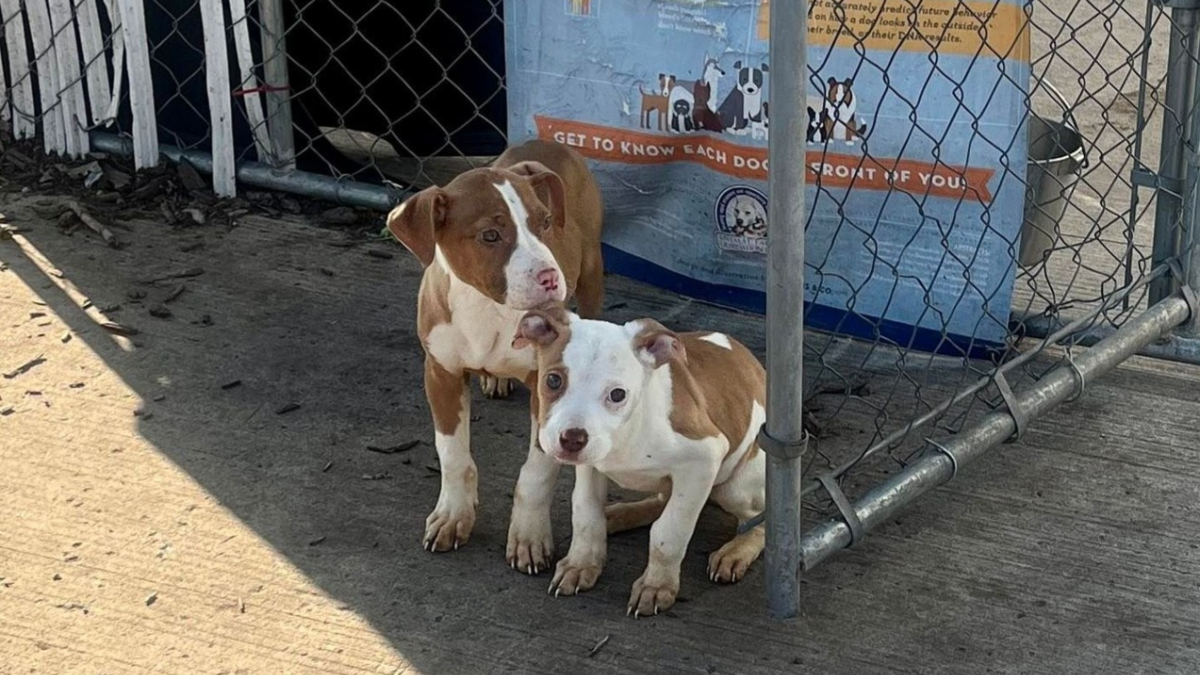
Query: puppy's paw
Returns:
{"type": "Point", "coordinates": [728, 564]}
{"type": "Point", "coordinates": [530, 542]}
{"type": "Point", "coordinates": [651, 597]}
{"type": "Point", "coordinates": [495, 387]}
{"type": "Point", "coordinates": [446, 529]}
{"type": "Point", "coordinates": [574, 577]}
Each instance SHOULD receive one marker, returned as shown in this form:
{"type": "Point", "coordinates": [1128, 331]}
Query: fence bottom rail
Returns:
{"type": "Point", "coordinates": [946, 457]}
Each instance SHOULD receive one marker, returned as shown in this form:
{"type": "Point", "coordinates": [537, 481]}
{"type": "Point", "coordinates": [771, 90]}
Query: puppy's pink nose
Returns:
{"type": "Point", "coordinates": [548, 279]}
{"type": "Point", "coordinates": [573, 440]}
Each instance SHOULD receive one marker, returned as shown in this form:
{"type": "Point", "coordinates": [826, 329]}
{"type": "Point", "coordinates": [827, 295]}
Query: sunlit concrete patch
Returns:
{"type": "Point", "coordinates": [114, 559]}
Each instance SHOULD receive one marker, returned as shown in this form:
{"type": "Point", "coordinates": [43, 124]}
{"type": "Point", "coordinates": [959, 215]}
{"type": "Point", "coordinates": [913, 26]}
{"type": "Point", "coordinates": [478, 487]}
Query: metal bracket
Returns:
{"type": "Point", "coordinates": [774, 448]}
{"type": "Point", "coordinates": [1078, 377]}
{"type": "Point", "coordinates": [1019, 415]}
{"type": "Point", "coordinates": [1143, 177]}
{"type": "Point", "coordinates": [754, 522]}
{"type": "Point", "coordinates": [949, 455]}
{"type": "Point", "coordinates": [782, 449]}
{"type": "Point", "coordinates": [847, 509]}
{"type": "Point", "coordinates": [1185, 290]}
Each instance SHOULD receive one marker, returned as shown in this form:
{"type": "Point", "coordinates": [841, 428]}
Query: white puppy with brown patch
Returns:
{"type": "Point", "coordinates": [673, 415]}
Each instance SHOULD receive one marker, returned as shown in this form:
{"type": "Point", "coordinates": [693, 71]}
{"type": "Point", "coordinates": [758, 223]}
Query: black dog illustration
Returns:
{"type": "Point", "coordinates": [681, 115]}
{"type": "Point", "coordinates": [815, 133]}
{"type": "Point", "coordinates": [704, 92]}
{"type": "Point", "coordinates": [743, 105]}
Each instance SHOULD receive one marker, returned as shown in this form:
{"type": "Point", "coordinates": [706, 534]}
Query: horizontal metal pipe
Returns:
{"type": "Point", "coordinates": [889, 497]}
{"type": "Point", "coordinates": [341, 191]}
{"type": "Point", "coordinates": [1171, 348]}
{"type": "Point", "coordinates": [1060, 331]}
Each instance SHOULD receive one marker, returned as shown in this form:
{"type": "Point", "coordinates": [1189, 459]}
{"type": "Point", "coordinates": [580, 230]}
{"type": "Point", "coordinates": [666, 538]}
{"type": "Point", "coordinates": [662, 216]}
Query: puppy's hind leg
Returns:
{"type": "Point", "coordinates": [743, 496]}
{"type": "Point", "coordinates": [625, 516]}
{"type": "Point", "coordinates": [729, 563]}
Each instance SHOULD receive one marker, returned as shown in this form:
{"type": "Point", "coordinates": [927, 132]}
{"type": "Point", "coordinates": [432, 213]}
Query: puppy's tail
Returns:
{"type": "Point", "coordinates": [862, 131]}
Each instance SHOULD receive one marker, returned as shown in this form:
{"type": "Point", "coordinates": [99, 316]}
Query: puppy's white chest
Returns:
{"type": "Point", "coordinates": [479, 336]}
{"type": "Point", "coordinates": [647, 461]}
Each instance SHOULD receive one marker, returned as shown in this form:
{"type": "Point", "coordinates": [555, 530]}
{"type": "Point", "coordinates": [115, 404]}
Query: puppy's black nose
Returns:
{"type": "Point", "coordinates": [573, 440]}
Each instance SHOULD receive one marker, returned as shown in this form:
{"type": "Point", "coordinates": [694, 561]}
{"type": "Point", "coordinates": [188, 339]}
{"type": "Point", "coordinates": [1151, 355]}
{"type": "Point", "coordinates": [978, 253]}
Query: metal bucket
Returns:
{"type": "Point", "coordinates": [1056, 158]}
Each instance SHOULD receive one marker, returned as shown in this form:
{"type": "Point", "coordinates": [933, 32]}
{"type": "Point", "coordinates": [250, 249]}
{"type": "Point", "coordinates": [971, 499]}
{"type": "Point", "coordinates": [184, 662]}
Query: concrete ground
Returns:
{"type": "Point", "coordinates": [165, 507]}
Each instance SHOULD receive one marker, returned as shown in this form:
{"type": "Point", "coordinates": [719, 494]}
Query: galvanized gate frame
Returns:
{"type": "Point", "coordinates": [1168, 329]}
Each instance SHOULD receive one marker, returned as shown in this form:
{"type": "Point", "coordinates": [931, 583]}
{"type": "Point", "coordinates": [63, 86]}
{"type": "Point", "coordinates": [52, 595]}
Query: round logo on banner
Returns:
{"type": "Point", "coordinates": [741, 215]}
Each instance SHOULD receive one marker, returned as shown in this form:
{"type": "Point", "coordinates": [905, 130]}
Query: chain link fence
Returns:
{"type": "Point", "coordinates": [391, 96]}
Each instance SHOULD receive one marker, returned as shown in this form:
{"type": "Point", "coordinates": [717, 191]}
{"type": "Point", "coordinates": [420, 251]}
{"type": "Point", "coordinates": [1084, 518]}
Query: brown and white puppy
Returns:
{"type": "Point", "coordinates": [496, 242]}
{"type": "Point", "coordinates": [673, 415]}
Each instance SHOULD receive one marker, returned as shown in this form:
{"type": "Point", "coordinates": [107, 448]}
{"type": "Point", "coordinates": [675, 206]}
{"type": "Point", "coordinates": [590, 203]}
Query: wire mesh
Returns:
{"type": "Point", "coordinates": [413, 92]}
{"type": "Point", "coordinates": [1097, 74]}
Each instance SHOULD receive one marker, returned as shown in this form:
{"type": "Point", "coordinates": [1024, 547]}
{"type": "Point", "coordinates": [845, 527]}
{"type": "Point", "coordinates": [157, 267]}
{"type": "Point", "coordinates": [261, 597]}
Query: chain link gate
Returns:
{"type": "Point", "coordinates": [363, 102]}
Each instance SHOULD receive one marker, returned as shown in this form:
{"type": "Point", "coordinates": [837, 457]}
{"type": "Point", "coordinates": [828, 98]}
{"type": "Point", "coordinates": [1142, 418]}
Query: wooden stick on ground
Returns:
{"type": "Point", "coordinates": [93, 224]}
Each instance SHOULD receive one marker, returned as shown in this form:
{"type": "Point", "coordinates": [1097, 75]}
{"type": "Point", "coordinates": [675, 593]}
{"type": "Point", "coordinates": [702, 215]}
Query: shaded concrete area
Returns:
{"type": "Point", "coordinates": [165, 511]}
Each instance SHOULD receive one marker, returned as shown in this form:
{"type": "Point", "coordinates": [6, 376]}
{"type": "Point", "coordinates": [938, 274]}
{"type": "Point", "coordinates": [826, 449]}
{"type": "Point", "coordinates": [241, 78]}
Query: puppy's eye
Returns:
{"type": "Point", "coordinates": [490, 236]}
{"type": "Point", "coordinates": [554, 382]}
{"type": "Point", "coordinates": [616, 395]}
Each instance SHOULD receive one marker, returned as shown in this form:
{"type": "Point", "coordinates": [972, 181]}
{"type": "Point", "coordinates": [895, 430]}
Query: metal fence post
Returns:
{"type": "Point", "coordinates": [1177, 104]}
{"type": "Point", "coordinates": [783, 435]}
{"type": "Point", "coordinates": [1185, 144]}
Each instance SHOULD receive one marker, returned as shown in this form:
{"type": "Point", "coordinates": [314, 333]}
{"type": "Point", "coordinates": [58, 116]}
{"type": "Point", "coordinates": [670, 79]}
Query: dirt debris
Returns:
{"type": "Point", "coordinates": [25, 367]}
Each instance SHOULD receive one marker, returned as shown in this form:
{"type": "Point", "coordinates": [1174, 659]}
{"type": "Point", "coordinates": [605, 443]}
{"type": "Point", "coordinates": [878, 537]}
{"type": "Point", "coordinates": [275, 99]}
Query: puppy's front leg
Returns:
{"type": "Point", "coordinates": [452, 520]}
{"type": "Point", "coordinates": [585, 559]}
{"type": "Point", "coordinates": [656, 589]}
{"type": "Point", "coordinates": [530, 540]}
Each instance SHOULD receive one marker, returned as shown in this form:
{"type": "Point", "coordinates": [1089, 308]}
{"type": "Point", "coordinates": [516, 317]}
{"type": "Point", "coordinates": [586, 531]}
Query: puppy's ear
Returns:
{"type": "Point", "coordinates": [655, 344]}
{"type": "Point", "coordinates": [541, 327]}
{"type": "Point", "coordinates": [547, 186]}
{"type": "Point", "coordinates": [415, 222]}
{"type": "Point", "coordinates": [849, 82]}
{"type": "Point", "coordinates": [661, 76]}
{"type": "Point", "coordinates": [765, 69]}
{"type": "Point", "coordinates": [737, 65]}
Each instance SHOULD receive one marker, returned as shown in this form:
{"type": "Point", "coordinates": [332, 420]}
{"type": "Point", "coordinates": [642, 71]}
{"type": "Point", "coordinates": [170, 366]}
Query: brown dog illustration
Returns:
{"type": "Point", "coordinates": [657, 101]}
{"type": "Point", "coordinates": [841, 106]}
